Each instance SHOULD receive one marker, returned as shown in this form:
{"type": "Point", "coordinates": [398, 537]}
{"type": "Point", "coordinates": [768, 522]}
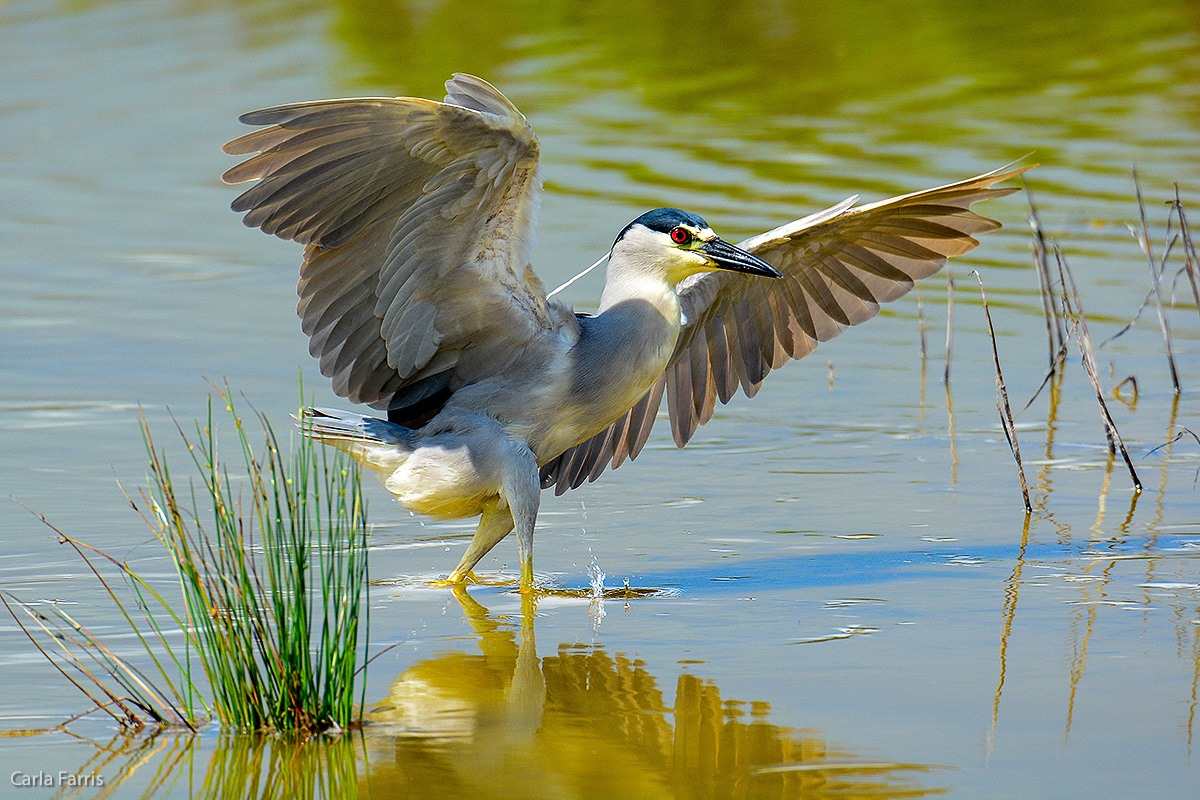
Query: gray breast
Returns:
{"type": "Point", "coordinates": [619, 353]}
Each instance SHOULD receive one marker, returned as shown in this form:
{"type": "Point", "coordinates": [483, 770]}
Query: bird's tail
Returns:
{"type": "Point", "coordinates": [376, 443]}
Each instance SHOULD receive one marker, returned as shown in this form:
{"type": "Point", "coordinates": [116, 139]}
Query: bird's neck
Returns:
{"type": "Point", "coordinates": [640, 313]}
{"type": "Point", "coordinates": [640, 300]}
{"type": "Point", "coordinates": [622, 350]}
{"type": "Point", "coordinates": [642, 283]}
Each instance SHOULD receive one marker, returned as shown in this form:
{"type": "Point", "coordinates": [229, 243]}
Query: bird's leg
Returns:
{"type": "Point", "coordinates": [495, 523]}
{"type": "Point", "coordinates": [522, 489]}
{"type": "Point", "coordinates": [517, 507]}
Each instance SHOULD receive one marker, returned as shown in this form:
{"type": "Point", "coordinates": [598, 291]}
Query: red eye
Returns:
{"type": "Point", "coordinates": [680, 235]}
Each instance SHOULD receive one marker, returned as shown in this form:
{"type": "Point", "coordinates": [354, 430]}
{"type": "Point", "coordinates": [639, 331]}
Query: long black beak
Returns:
{"type": "Point", "coordinates": [726, 256]}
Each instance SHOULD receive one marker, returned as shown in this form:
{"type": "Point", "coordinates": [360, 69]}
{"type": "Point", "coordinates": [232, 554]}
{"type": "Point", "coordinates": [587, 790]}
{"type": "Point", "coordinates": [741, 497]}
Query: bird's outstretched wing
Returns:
{"type": "Point", "coordinates": [417, 219]}
{"type": "Point", "coordinates": [838, 266]}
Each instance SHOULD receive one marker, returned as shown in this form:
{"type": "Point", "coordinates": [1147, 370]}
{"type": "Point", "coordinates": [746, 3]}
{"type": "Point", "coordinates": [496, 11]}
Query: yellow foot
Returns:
{"type": "Point", "coordinates": [468, 578]}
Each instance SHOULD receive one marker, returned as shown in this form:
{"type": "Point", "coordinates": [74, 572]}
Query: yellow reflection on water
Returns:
{"type": "Point", "coordinates": [506, 723]}
{"type": "Point", "coordinates": [587, 723]}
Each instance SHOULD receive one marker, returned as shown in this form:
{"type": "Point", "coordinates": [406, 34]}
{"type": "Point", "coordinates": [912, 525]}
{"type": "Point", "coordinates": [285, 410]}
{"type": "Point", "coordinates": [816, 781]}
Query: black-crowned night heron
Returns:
{"type": "Point", "coordinates": [417, 220]}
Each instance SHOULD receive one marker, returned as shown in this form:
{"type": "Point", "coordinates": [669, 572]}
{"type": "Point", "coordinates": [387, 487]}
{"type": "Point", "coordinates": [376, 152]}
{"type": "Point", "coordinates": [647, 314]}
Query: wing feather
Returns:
{"type": "Point", "coordinates": [417, 218]}
{"type": "Point", "coordinates": [718, 359]}
{"type": "Point", "coordinates": [838, 266]}
{"type": "Point", "coordinates": [621, 441]}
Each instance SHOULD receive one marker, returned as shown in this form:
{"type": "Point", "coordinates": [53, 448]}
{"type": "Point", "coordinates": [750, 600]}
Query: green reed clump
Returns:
{"type": "Point", "coordinates": [272, 591]}
{"type": "Point", "coordinates": [273, 585]}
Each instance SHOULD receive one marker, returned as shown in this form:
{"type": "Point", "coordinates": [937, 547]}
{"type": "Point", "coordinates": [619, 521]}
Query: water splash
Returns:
{"type": "Point", "coordinates": [596, 606]}
{"type": "Point", "coordinates": [596, 578]}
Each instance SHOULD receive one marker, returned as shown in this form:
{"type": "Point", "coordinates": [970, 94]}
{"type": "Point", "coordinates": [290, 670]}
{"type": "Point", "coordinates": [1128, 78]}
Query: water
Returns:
{"type": "Point", "coordinates": [837, 574]}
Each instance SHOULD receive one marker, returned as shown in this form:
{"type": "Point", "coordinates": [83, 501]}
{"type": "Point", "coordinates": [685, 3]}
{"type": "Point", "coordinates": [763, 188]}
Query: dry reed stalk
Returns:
{"type": "Point", "coordinates": [1002, 406]}
{"type": "Point", "coordinates": [1156, 283]}
{"type": "Point", "coordinates": [1056, 337]}
{"type": "Point", "coordinates": [949, 324]}
{"type": "Point", "coordinates": [1055, 334]}
{"type": "Point", "coordinates": [921, 322]}
{"type": "Point", "coordinates": [1073, 308]}
{"type": "Point", "coordinates": [1059, 358]}
{"type": "Point", "coordinates": [1190, 262]}
{"type": "Point", "coordinates": [80, 648]}
{"type": "Point", "coordinates": [127, 719]}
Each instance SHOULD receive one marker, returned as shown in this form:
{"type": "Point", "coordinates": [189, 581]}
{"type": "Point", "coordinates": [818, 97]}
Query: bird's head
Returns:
{"type": "Point", "coordinates": [678, 244]}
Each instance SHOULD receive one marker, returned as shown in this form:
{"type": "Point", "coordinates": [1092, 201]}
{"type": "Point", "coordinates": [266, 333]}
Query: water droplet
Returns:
{"type": "Point", "coordinates": [596, 578]}
{"type": "Point", "coordinates": [596, 606]}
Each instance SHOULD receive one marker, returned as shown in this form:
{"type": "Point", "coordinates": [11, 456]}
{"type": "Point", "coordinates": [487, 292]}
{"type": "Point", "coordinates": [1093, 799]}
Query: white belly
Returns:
{"type": "Point", "coordinates": [442, 481]}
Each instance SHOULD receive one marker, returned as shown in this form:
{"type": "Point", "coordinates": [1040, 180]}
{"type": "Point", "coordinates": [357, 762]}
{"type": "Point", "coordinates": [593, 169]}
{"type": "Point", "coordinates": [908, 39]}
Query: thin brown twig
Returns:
{"type": "Point", "coordinates": [1183, 432]}
{"type": "Point", "coordinates": [1131, 380]}
{"type": "Point", "coordinates": [1189, 249]}
{"type": "Point", "coordinates": [1057, 361]}
{"type": "Point", "coordinates": [921, 320]}
{"type": "Point", "coordinates": [1154, 290]}
{"type": "Point", "coordinates": [1144, 241]}
{"type": "Point", "coordinates": [1056, 338]}
{"type": "Point", "coordinates": [1073, 307]}
{"type": "Point", "coordinates": [130, 719]}
{"type": "Point", "coordinates": [1002, 406]}
{"type": "Point", "coordinates": [124, 666]}
{"type": "Point", "coordinates": [949, 325]}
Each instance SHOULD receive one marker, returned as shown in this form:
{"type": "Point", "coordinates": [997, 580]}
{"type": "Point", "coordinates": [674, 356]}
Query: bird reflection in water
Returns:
{"type": "Point", "coordinates": [505, 723]}
{"type": "Point", "coordinates": [586, 723]}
